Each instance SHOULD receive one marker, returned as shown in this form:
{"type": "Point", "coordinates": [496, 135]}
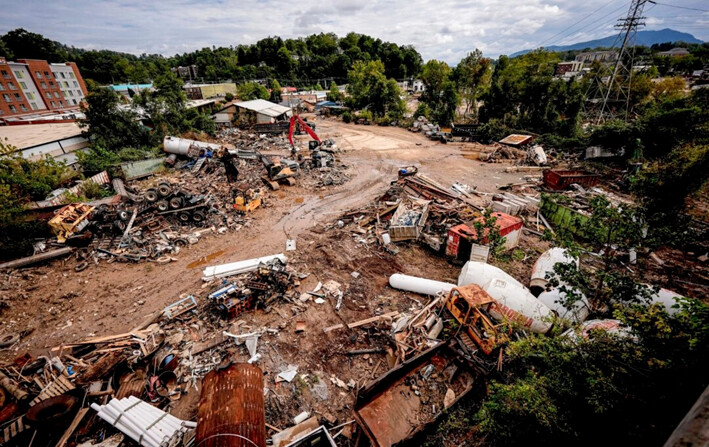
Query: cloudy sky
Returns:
{"type": "Point", "coordinates": [440, 29]}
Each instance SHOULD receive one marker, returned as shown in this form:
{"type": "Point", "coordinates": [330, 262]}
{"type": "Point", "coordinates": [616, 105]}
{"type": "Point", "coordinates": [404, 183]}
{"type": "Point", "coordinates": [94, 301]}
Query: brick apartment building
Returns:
{"type": "Point", "coordinates": [32, 86]}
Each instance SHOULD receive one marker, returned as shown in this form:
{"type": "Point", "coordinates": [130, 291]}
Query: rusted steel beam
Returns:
{"type": "Point", "coordinates": [231, 408]}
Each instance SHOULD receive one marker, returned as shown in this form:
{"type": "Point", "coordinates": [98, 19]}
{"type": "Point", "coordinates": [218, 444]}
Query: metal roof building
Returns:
{"type": "Point", "coordinates": [266, 111]}
{"type": "Point", "coordinates": [35, 141]}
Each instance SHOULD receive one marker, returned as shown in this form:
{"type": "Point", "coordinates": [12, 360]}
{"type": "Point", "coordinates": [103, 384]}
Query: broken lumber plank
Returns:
{"type": "Point", "coordinates": [72, 427]}
{"type": "Point", "coordinates": [365, 351]}
{"type": "Point", "coordinates": [332, 328]}
{"type": "Point", "coordinates": [372, 319]}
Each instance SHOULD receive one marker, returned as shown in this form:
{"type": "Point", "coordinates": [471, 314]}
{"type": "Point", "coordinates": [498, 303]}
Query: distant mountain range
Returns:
{"type": "Point", "coordinates": [646, 38]}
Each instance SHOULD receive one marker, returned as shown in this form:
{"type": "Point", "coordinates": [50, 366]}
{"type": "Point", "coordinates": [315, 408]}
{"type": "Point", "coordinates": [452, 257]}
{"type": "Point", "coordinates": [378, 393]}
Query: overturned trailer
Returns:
{"type": "Point", "coordinates": [399, 405]}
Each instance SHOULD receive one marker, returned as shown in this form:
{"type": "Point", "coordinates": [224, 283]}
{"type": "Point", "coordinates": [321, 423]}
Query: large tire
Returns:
{"type": "Point", "coordinates": [163, 205]}
{"type": "Point", "coordinates": [151, 195]}
{"type": "Point", "coordinates": [198, 216]}
{"type": "Point", "coordinates": [9, 340]}
{"type": "Point", "coordinates": [119, 225]}
{"type": "Point", "coordinates": [176, 203]}
{"type": "Point", "coordinates": [184, 216]}
{"type": "Point", "coordinates": [123, 215]}
{"type": "Point", "coordinates": [164, 189]}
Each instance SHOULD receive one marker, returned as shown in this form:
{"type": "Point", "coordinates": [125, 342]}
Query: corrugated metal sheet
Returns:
{"type": "Point", "coordinates": [100, 179]}
{"type": "Point", "coordinates": [231, 409]}
{"type": "Point", "coordinates": [141, 168]}
{"type": "Point", "coordinates": [264, 107]}
{"type": "Point", "coordinates": [516, 139]}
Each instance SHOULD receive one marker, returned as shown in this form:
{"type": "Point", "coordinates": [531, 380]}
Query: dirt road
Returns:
{"type": "Point", "coordinates": [57, 305]}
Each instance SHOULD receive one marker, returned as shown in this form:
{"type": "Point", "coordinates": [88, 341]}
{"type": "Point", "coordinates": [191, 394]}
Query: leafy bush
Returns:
{"type": "Point", "coordinates": [97, 159]}
{"type": "Point", "coordinates": [422, 110]}
{"type": "Point", "coordinates": [347, 117]}
{"type": "Point", "coordinates": [365, 114]}
{"type": "Point", "coordinates": [615, 135]}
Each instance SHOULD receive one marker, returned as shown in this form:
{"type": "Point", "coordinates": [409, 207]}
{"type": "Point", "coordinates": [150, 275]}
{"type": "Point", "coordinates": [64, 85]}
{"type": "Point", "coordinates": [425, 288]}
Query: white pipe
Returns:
{"type": "Point", "coordinates": [415, 284]}
{"type": "Point", "coordinates": [237, 268]}
{"type": "Point", "coordinates": [153, 412]}
{"type": "Point", "coordinates": [518, 305]}
{"type": "Point", "coordinates": [128, 420]}
{"type": "Point", "coordinates": [181, 146]}
{"type": "Point", "coordinates": [516, 302]}
{"type": "Point", "coordinates": [479, 273]}
{"type": "Point", "coordinates": [126, 426]}
{"type": "Point", "coordinates": [576, 314]}
{"type": "Point", "coordinates": [135, 419]}
{"type": "Point", "coordinates": [545, 264]}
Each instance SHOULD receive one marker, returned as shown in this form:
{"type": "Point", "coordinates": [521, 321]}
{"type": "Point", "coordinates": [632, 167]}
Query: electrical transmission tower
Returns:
{"type": "Point", "coordinates": [612, 93]}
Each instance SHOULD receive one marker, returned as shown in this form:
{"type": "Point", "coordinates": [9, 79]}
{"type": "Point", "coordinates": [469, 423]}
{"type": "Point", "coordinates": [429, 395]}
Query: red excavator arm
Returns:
{"type": "Point", "coordinates": [303, 125]}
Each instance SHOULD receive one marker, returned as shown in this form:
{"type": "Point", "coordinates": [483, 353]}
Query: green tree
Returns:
{"type": "Point", "coordinates": [165, 105]}
{"type": "Point", "coordinates": [334, 94]}
{"type": "Point", "coordinates": [369, 89]}
{"type": "Point", "coordinates": [275, 90]}
{"type": "Point", "coordinates": [472, 76]}
{"type": "Point", "coordinates": [108, 126]}
{"type": "Point", "coordinates": [252, 90]}
{"type": "Point", "coordinates": [440, 94]}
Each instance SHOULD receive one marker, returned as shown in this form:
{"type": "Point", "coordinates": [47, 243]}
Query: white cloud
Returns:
{"type": "Point", "coordinates": [443, 29]}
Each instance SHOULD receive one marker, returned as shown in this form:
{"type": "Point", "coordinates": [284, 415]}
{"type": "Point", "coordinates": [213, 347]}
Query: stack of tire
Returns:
{"type": "Point", "coordinates": [106, 219]}
{"type": "Point", "coordinates": [166, 198]}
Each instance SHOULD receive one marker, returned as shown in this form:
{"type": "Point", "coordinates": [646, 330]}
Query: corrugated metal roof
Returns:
{"type": "Point", "coordinates": [264, 107]}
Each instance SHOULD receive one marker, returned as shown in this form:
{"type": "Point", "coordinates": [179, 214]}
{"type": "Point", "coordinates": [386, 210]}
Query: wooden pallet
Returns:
{"type": "Point", "coordinates": [16, 427]}
{"type": "Point", "coordinates": [60, 386]}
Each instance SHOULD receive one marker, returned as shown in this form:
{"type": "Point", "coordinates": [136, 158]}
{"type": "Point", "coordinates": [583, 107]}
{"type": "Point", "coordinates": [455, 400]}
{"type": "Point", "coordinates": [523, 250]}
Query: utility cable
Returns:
{"type": "Point", "coordinates": [678, 7]}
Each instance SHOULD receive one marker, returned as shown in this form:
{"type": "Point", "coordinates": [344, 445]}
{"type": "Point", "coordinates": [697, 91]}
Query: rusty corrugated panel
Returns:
{"type": "Point", "coordinates": [231, 410]}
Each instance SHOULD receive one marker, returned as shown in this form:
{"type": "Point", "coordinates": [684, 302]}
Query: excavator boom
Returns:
{"type": "Point", "coordinates": [295, 119]}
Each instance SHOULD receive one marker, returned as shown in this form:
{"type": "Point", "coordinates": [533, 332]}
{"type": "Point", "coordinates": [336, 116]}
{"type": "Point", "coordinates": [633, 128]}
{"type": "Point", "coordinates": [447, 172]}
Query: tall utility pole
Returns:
{"type": "Point", "coordinates": [612, 102]}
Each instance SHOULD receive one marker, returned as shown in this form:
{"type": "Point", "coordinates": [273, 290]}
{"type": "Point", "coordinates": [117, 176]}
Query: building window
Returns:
{"type": "Point", "coordinates": [34, 106]}
{"type": "Point", "coordinates": [1, 112]}
{"type": "Point", "coordinates": [71, 93]}
{"type": "Point", "coordinates": [56, 95]}
{"type": "Point", "coordinates": [23, 108]}
{"type": "Point", "coordinates": [74, 101]}
{"type": "Point", "coordinates": [51, 84]}
{"type": "Point", "coordinates": [43, 84]}
{"type": "Point", "coordinates": [76, 84]}
{"type": "Point", "coordinates": [66, 84]}
{"type": "Point", "coordinates": [13, 109]}
{"type": "Point", "coordinates": [46, 75]}
{"type": "Point", "coordinates": [62, 73]}
{"type": "Point", "coordinates": [7, 98]}
{"type": "Point", "coordinates": [2, 87]}
{"type": "Point", "coordinates": [23, 86]}
{"type": "Point", "coordinates": [18, 97]}
{"type": "Point", "coordinates": [38, 75]}
{"type": "Point", "coordinates": [48, 95]}
{"type": "Point", "coordinates": [71, 75]}
{"type": "Point", "coordinates": [5, 74]}
{"type": "Point", "coordinates": [52, 103]}
{"type": "Point", "coordinates": [61, 103]}
{"type": "Point", "coordinates": [19, 74]}
{"type": "Point", "coordinates": [29, 95]}
{"type": "Point", "coordinates": [12, 86]}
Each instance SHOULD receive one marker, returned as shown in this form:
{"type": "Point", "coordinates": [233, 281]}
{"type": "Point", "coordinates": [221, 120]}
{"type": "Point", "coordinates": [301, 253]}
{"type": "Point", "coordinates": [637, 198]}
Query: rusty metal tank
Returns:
{"type": "Point", "coordinates": [231, 408]}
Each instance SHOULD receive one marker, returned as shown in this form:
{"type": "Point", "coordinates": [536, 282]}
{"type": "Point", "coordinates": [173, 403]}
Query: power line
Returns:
{"type": "Point", "coordinates": [574, 24]}
{"type": "Point", "coordinates": [679, 7]}
{"type": "Point", "coordinates": [592, 23]}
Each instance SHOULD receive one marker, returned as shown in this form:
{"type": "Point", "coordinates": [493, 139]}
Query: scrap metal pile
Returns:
{"type": "Point", "coordinates": [158, 361]}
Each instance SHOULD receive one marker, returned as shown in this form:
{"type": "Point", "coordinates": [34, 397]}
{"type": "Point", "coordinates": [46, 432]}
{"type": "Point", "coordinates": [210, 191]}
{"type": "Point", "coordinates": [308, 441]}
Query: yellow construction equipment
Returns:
{"type": "Point", "coordinates": [247, 201]}
{"type": "Point", "coordinates": [69, 220]}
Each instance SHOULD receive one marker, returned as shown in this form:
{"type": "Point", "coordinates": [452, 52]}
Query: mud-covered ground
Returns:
{"type": "Point", "coordinates": [52, 304]}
